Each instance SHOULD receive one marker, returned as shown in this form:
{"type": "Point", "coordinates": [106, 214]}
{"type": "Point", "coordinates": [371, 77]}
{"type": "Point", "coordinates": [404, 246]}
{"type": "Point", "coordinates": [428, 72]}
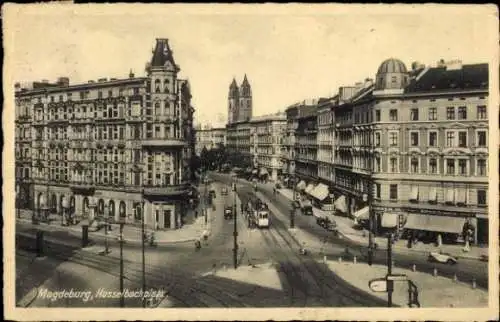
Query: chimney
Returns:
{"type": "Point", "coordinates": [100, 80]}
{"type": "Point", "coordinates": [131, 74]}
{"type": "Point", "coordinates": [63, 81]}
{"type": "Point", "coordinates": [45, 81]}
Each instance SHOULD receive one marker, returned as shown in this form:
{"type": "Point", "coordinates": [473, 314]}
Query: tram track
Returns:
{"type": "Point", "coordinates": [183, 288]}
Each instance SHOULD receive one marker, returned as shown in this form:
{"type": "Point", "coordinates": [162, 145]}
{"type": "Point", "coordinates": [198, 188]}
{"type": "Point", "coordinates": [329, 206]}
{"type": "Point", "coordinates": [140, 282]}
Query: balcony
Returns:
{"type": "Point", "coordinates": [82, 186]}
{"type": "Point", "coordinates": [163, 142]}
{"type": "Point", "coordinates": [167, 190]}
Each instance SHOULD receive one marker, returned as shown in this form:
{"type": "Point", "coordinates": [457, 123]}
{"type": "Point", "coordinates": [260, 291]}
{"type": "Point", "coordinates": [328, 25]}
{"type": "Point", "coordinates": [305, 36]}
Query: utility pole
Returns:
{"type": "Point", "coordinates": [122, 298]}
{"type": "Point", "coordinates": [235, 232]}
{"type": "Point", "coordinates": [390, 283]}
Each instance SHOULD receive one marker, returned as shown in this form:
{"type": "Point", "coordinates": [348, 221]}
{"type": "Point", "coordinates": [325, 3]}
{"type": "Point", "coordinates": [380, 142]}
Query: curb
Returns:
{"type": "Point", "coordinates": [29, 298]}
{"type": "Point", "coordinates": [76, 232]}
{"type": "Point", "coordinates": [345, 236]}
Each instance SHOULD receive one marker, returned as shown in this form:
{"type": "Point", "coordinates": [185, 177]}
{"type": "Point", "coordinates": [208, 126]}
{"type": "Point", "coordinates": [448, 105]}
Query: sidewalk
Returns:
{"type": "Point", "coordinates": [434, 291]}
{"type": "Point", "coordinates": [346, 229]}
{"type": "Point", "coordinates": [190, 231]}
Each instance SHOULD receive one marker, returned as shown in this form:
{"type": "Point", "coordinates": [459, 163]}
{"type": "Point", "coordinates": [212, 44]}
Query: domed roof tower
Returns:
{"type": "Point", "coordinates": [392, 74]}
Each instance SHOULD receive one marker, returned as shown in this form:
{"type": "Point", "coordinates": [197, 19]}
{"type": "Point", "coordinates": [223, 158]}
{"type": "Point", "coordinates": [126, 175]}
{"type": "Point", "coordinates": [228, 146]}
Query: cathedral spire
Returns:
{"type": "Point", "coordinates": [233, 89]}
{"type": "Point", "coordinates": [246, 89]}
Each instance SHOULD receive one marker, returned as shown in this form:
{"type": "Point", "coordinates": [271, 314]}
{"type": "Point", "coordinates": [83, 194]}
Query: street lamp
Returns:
{"type": "Point", "coordinates": [235, 232]}
{"type": "Point", "coordinates": [18, 201]}
{"type": "Point", "coordinates": [106, 246]}
{"type": "Point", "coordinates": [143, 250]}
{"type": "Point", "coordinates": [122, 298]}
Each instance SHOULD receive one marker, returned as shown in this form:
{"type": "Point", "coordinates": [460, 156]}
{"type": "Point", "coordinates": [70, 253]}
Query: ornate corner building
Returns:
{"type": "Point", "coordinates": [121, 146]}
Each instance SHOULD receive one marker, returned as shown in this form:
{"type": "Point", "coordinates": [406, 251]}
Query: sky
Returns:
{"type": "Point", "coordinates": [287, 55]}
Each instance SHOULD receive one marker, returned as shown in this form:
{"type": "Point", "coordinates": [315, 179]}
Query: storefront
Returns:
{"type": "Point", "coordinates": [321, 195]}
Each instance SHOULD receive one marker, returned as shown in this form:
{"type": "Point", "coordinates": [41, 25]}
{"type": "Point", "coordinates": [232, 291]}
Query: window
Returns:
{"type": "Point", "coordinates": [481, 197]}
{"type": "Point", "coordinates": [393, 115]}
{"type": "Point", "coordinates": [393, 138]}
{"type": "Point", "coordinates": [462, 113]}
{"type": "Point", "coordinates": [157, 131]}
{"type": "Point", "coordinates": [99, 94]}
{"type": "Point", "coordinates": [414, 138]}
{"type": "Point", "coordinates": [136, 90]}
{"type": "Point", "coordinates": [377, 164]}
{"type": "Point", "coordinates": [432, 113]}
{"type": "Point", "coordinates": [82, 95]}
{"type": "Point", "coordinates": [377, 115]}
{"type": "Point", "coordinates": [462, 139]}
{"type": "Point", "coordinates": [414, 165]}
{"type": "Point", "coordinates": [450, 138]}
{"type": "Point", "coordinates": [157, 108]}
{"type": "Point", "coordinates": [393, 191]}
{"type": "Point", "coordinates": [481, 138]}
{"type": "Point", "coordinates": [110, 93]}
{"type": "Point", "coordinates": [432, 138]}
{"type": "Point", "coordinates": [433, 166]}
{"type": "Point", "coordinates": [481, 112]}
{"type": "Point", "coordinates": [377, 139]}
{"type": "Point", "coordinates": [377, 185]}
{"type": "Point", "coordinates": [450, 113]}
{"type": "Point", "coordinates": [450, 166]}
{"type": "Point", "coordinates": [481, 167]}
{"type": "Point", "coordinates": [52, 99]}
{"type": "Point", "coordinates": [393, 166]}
{"type": "Point", "coordinates": [414, 114]}
{"type": "Point", "coordinates": [149, 131]}
{"type": "Point", "coordinates": [157, 85]}
{"type": "Point", "coordinates": [462, 167]}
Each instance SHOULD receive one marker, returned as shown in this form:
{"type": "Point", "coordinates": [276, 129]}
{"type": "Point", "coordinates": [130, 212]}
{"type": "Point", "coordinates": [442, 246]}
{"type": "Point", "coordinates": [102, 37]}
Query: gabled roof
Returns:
{"type": "Point", "coordinates": [469, 77]}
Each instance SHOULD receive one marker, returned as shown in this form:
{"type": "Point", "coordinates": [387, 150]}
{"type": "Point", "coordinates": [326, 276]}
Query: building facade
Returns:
{"type": "Point", "coordinates": [239, 147]}
{"type": "Point", "coordinates": [240, 107]}
{"type": "Point", "coordinates": [209, 138]}
{"type": "Point", "coordinates": [414, 142]}
{"type": "Point", "coordinates": [267, 140]}
{"type": "Point", "coordinates": [118, 148]}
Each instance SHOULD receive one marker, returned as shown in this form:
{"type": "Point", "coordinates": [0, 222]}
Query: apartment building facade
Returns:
{"type": "Point", "coordinates": [209, 138]}
{"type": "Point", "coordinates": [117, 148]}
{"type": "Point", "coordinates": [267, 133]}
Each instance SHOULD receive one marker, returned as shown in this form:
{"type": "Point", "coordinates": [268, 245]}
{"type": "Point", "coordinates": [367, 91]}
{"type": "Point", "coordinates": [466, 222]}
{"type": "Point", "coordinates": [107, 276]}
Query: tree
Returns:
{"type": "Point", "coordinates": [204, 158]}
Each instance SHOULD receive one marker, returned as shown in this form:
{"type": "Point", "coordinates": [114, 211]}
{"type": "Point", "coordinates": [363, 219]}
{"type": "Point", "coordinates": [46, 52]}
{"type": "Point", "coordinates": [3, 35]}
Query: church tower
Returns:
{"type": "Point", "coordinates": [233, 103]}
{"type": "Point", "coordinates": [245, 101]}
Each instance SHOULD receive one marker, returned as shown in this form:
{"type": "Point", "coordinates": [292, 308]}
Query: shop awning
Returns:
{"type": "Point", "coordinates": [362, 214]}
{"type": "Point", "coordinates": [414, 193]}
{"type": "Point", "coordinates": [254, 171]}
{"type": "Point", "coordinates": [320, 192]}
{"type": "Point", "coordinates": [301, 185]}
{"type": "Point", "coordinates": [444, 224]}
{"type": "Point", "coordinates": [309, 189]}
{"type": "Point", "coordinates": [263, 171]}
{"type": "Point", "coordinates": [433, 194]}
{"type": "Point", "coordinates": [461, 196]}
{"type": "Point", "coordinates": [450, 195]}
{"type": "Point", "coordinates": [389, 220]}
{"type": "Point", "coordinates": [341, 204]}
{"type": "Point", "coordinates": [285, 180]}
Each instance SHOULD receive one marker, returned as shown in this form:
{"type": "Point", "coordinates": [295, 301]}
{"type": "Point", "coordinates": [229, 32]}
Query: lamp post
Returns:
{"type": "Point", "coordinates": [18, 201]}
{"type": "Point", "coordinates": [235, 232]}
{"type": "Point", "coordinates": [122, 298]}
{"type": "Point", "coordinates": [143, 250]}
{"type": "Point", "coordinates": [106, 246]}
{"type": "Point", "coordinates": [369, 197]}
{"type": "Point", "coordinates": [64, 206]}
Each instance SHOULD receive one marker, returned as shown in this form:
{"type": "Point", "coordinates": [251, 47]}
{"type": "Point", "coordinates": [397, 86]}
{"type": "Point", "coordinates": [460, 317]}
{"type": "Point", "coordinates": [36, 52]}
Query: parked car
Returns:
{"type": "Point", "coordinates": [307, 210]}
{"type": "Point", "coordinates": [443, 258]}
{"type": "Point", "coordinates": [295, 204]}
{"type": "Point", "coordinates": [277, 185]}
{"type": "Point", "coordinates": [224, 191]}
{"type": "Point", "coordinates": [326, 223]}
{"type": "Point", "coordinates": [228, 212]}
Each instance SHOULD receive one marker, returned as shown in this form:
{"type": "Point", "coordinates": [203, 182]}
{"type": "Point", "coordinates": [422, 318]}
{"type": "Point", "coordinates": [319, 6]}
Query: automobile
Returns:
{"type": "Point", "coordinates": [277, 185]}
{"type": "Point", "coordinates": [326, 223]}
{"type": "Point", "coordinates": [295, 204]}
{"type": "Point", "coordinates": [223, 191]}
{"type": "Point", "coordinates": [228, 212]}
{"type": "Point", "coordinates": [307, 211]}
{"type": "Point", "coordinates": [443, 258]}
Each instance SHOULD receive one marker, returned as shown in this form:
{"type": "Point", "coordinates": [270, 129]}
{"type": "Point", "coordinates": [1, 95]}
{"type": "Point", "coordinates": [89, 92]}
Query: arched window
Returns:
{"type": "Point", "coordinates": [157, 108]}
{"type": "Point", "coordinates": [157, 85]}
